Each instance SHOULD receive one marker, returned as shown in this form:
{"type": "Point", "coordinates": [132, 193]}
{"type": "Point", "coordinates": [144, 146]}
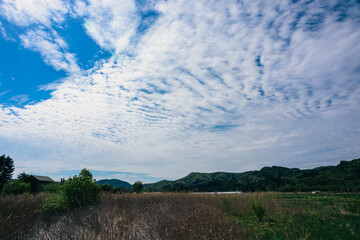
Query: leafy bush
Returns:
{"type": "Point", "coordinates": [257, 209]}
{"type": "Point", "coordinates": [107, 188]}
{"type": "Point", "coordinates": [16, 187]}
{"type": "Point", "coordinates": [120, 189]}
{"type": "Point", "coordinates": [226, 204]}
{"type": "Point", "coordinates": [54, 204]}
{"type": "Point", "coordinates": [138, 187]}
{"type": "Point", "coordinates": [75, 192]}
{"type": "Point", "coordinates": [51, 188]}
{"type": "Point", "coordinates": [80, 191]}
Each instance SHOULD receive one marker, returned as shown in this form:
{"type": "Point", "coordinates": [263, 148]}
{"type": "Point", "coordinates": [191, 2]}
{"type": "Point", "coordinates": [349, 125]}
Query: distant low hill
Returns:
{"type": "Point", "coordinates": [115, 183]}
{"type": "Point", "coordinates": [345, 177]}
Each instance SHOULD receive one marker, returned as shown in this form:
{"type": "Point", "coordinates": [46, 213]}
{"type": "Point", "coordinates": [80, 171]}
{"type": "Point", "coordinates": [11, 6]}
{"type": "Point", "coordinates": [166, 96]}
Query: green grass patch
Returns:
{"type": "Point", "coordinates": [305, 216]}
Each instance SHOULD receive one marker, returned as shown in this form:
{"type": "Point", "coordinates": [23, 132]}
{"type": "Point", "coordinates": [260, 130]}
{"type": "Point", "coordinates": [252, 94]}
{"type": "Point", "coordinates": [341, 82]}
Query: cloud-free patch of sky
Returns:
{"type": "Point", "coordinates": [191, 86]}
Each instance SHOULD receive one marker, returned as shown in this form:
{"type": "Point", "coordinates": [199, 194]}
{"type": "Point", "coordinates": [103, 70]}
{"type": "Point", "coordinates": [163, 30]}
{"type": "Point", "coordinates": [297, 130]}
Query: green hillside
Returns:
{"type": "Point", "coordinates": [345, 177]}
{"type": "Point", "coordinates": [115, 183]}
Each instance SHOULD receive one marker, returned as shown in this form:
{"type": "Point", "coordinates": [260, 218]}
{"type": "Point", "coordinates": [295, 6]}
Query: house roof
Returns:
{"type": "Point", "coordinates": [43, 178]}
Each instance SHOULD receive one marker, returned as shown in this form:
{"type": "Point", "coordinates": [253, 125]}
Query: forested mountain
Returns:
{"type": "Point", "coordinates": [344, 177]}
{"type": "Point", "coordinates": [115, 183]}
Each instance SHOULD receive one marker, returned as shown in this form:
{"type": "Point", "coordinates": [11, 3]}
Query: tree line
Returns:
{"type": "Point", "coordinates": [345, 177]}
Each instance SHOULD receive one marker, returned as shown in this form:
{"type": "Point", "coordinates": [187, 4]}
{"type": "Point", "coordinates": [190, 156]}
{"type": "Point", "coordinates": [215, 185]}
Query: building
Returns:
{"type": "Point", "coordinates": [38, 181]}
{"type": "Point", "coordinates": [316, 192]}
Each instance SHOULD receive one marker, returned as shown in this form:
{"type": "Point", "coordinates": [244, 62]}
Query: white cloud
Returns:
{"type": "Point", "coordinates": [28, 12]}
{"type": "Point", "coordinates": [20, 98]}
{"type": "Point", "coordinates": [211, 87]}
{"type": "Point", "coordinates": [37, 19]}
{"type": "Point", "coordinates": [110, 23]}
{"type": "Point", "coordinates": [52, 48]}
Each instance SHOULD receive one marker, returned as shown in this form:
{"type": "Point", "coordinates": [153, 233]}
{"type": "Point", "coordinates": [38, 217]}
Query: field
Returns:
{"type": "Point", "coordinates": [187, 216]}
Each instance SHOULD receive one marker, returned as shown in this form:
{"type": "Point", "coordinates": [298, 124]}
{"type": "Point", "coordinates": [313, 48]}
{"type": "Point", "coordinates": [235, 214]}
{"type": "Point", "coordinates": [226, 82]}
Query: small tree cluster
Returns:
{"type": "Point", "coordinates": [110, 189]}
{"type": "Point", "coordinates": [138, 186]}
{"type": "Point", "coordinates": [75, 192]}
{"type": "Point", "coordinates": [107, 188]}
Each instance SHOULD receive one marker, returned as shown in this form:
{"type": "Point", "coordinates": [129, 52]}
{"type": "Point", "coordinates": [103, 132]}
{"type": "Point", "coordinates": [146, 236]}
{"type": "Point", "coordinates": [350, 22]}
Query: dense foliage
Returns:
{"type": "Point", "coordinates": [80, 190]}
{"type": "Point", "coordinates": [345, 177]}
{"type": "Point", "coordinates": [16, 187]}
{"type": "Point", "coordinates": [106, 188]}
{"type": "Point", "coordinates": [24, 177]}
{"type": "Point", "coordinates": [6, 170]}
{"type": "Point", "coordinates": [75, 192]}
{"type": "Point", "coordinates": [55, 204]}
{"type": "Point", "coordinates": [138, 187]}
{"type": "Point", "coordinates": [51, 187]}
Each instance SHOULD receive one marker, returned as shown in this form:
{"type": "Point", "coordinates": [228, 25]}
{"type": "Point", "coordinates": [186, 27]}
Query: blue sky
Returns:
{"type": "Point", "coordinates": [150, 90]}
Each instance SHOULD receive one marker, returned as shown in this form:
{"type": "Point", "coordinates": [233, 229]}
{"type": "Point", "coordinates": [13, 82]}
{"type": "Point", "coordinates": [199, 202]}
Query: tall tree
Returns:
{"type": "Point", "coordinates": [6, 169]}
{"type": "Point", "coordinates": [23, 177]}
{"type": "Point", "coordinates": [138, 186]}
{"type": "Point", "coordinates": [85, 173]}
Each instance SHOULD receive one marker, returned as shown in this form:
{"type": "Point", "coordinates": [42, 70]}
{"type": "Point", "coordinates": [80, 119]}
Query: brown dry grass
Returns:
{"type": "Point", "coordinates": [140, 216]}
{"type": "Point", "coordinates": [18, 215]}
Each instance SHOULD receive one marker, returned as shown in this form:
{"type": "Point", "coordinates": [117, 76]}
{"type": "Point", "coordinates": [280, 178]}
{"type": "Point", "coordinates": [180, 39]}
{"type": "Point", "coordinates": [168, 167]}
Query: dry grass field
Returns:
{"type": "Point", "coordinates": [186, 216]}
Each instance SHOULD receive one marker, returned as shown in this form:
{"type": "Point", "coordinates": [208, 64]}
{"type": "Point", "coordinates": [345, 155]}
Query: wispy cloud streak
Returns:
{"type": "Point", "coordinates": [52, 48]}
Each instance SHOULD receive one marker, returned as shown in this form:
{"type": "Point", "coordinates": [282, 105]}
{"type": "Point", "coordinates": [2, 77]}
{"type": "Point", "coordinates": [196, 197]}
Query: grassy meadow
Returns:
{"type": "Point", "coordinates": [186, 216]}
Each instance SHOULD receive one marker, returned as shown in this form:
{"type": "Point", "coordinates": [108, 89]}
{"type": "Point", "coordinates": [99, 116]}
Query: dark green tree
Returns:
{"type": "Point", "coordinates": [85, 173]}
{"type": "Point", "coordinates": [6, 169]}
{"type": "Point", "coordinates": [80, 190]}
{"type": "Point", "coordinates": [62, 181]}
{"type": "Point", "coordinates": [138, 187]}
{"type": "Point", "coordinates": [107, 188]}
{"type": "Point", "coordinates": [23, 177]}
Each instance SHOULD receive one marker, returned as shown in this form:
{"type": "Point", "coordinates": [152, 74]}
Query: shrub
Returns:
{"type": "Point", "coordinates": [54, 204]}
{"type": "Point", "coordinates": [107, 188]}
{"type": "Point", "coordinates": [120, 189]}
{"type": "Point", "coordinates": [257, 209]}
{"type": "Point", "coordinates": [16, 187]}
{"type": "Point", "coordinates": [80, 190]}
{"type": "Point", "coordinates": [226, 204]}
{"type": "Point", "coordinates": [51, 188]}
{"type": "Point", "coordinates": [138, 187]}
{"type": "Point", "coordinates": [75, 192]}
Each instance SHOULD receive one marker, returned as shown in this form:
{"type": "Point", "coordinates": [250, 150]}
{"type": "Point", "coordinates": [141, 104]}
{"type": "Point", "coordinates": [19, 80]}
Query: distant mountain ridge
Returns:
{"type": "Point", "coordinates": [115, 183]}
{"type": "Point", "coordinates": [345, 177]}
